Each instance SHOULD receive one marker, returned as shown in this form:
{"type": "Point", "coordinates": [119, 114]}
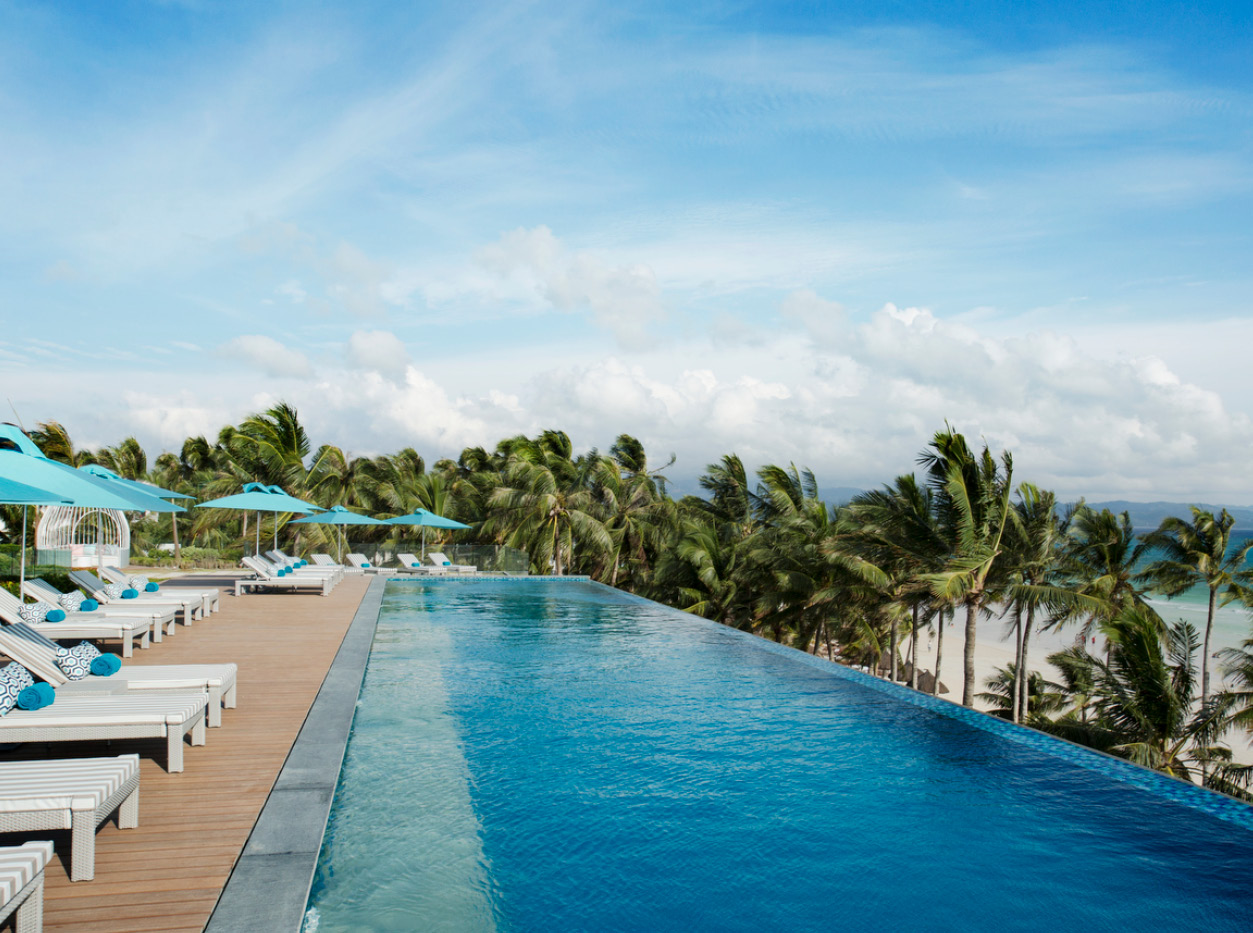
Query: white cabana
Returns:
{"type": "Point", "coordinates": [69, 535]}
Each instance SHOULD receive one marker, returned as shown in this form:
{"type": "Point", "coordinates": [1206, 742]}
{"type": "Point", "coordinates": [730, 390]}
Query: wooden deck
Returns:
{"type": "Point", "coordinates": [167, 874]}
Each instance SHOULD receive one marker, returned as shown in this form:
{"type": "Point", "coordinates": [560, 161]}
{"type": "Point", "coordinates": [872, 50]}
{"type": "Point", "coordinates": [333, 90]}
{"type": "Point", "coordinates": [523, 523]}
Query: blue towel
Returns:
{"type": "Point", "coordinates": [55, 615]}
{"type": "Point", "coordinates": [88, 605]}
{"type": "Point", "coordinates": [366, 564]}
{"type": "Point", "coordinates": [130, 593]}
{"type": "Point", "coordinates": [282, 571]}
{"type": "Point", "coordinates": [106, 665]}
{"type": "Point", "coordinates": [36, 696]}
{"type": "Point", "coordinates": [151, 587]}
{"type": "Point", "coordinates": [413, 565]}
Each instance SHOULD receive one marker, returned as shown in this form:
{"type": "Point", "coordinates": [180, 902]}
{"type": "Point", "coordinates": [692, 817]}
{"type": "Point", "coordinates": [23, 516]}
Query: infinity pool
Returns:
{"type": "Point", "coordinates": [532, 756]}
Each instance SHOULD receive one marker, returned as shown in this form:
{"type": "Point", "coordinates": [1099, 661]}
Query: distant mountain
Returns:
{"type": "Point", "coordinates": [1146, 516]}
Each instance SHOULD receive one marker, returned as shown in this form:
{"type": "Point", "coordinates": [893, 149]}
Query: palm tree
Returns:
{"type": "Point", "coordinates": [895, 529]}
{"type": "Point", "coordinates": [1102, 557]}
{"type": "Point", "coordinates": [1042, 698]}
{"type": "Point", "coordinates": [1199, 553]}
{"type": "Point", "coordinates": [1143, 702]}
{"type": "Point", "coordinates": [973, 501]}
{"type": "Point", "coordinates": [54, 440]}
{"type": "Point", "coordinates": [546, 517]}
{"type": "Point", "coordinates": [127, 459]}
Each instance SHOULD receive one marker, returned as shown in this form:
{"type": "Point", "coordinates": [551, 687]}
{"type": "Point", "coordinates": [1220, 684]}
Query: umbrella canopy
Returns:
{"type": "Point", "coordinates": [148, 489]}
{"type": "Point", "coordinates": [23, 462]}
{"type": "Point", "coordinates": [258, 497]}
{"type": "Point", "coordinates": [12, 493]}
{"type": "Point", "coordinates": [338, 515]}
{"type": "Point", "coordinates": [426, 520]}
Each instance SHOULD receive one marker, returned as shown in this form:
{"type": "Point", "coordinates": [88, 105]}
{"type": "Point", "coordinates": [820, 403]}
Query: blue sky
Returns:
{"type": "Point", "coordinates": [802, 232]}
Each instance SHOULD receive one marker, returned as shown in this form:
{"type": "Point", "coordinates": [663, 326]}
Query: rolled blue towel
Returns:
{"type": "Point", "coordinates": [282, 571]}
{"type": "Point", "coordinates": [303, 562]}
{"type": "Point", "coordinates": [414, 565]}
{"type": "Point", "coordinates": [130, 593]}
{"type": "Point", "coordinates": [151, 587]}
{"type": "Point", "coordinates": [55, 615]}
{"type": "Point", "coordinates": [365, 564]}
{"type": "Point", "coordinates": [89, 605]}
{"type": "Point", "coordinates": [106, 665]}
{"type": "Point", "coordinates": [36, 696]}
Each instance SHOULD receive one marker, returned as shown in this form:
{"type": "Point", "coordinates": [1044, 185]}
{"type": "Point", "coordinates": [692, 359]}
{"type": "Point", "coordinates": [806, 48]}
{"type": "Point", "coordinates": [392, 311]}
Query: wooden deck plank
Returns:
{"type": "Point", "coordinates": [166, 875]}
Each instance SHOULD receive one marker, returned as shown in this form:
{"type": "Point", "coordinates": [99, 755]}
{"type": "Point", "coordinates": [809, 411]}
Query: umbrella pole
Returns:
{"type": "Point", "coordinates": [99, 544]}
{"type": "Point", "coordinates": [424, 542]}
{"type": "Point", "coordinates": [276, 531]}
{"type": "Point", "coordinates": [21, 576]}
{"type": "Point", "coordinates": [258, 554]}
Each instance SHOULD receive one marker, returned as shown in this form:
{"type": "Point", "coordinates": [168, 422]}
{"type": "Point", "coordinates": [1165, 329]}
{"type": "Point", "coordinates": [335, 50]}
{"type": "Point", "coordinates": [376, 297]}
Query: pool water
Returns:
{"type": "Point", "coordinates": [559, 756]}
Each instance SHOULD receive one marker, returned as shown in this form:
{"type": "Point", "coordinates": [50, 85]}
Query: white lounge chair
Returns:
{"type": "Point", "coordinates": [280, 561]}
{"type": "Point", "coordinates": [82, 625]}
{"type": "Point", "coordinates": [410, 563]}
{"type": "Point", "coordinates": [210, 600]}
{"type": "Point", "coordinates": [268, 579]}
{"type": "Point", "coordinates": [161, 617]}
{"type": "Point", "coordinates": [77, 794]}
{"type": "Point", "coordinates": [189, 607]}
{"type": "Point", "coordinates": [437, 559]}
{"type": "Point", "coordinates": [22, 885]}
{"type": "Point", "coordinates": [93, 717]}
{"type": "Point", "coordinates": [38, 655]}
{"type": "Point", "coordinates": [324, 560]}
{"type": "Point", "coordinates": [363, 564]}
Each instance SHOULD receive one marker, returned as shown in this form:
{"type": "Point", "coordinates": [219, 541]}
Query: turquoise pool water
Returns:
{"type": "Point", "coordinates": [559, 756]}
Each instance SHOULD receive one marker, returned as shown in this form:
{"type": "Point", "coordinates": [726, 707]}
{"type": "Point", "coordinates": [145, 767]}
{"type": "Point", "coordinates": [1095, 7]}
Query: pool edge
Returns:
{"type": "Point", "coordinates": [269, 886]}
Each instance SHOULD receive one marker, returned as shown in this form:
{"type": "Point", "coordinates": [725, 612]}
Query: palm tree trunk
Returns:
{"type": "Point", "coordinates": [178, 551]}
{"type": "Point", "coordinates": [913, 654]}
{"type": "Point", "coordinates": [892, 647]}
{"type": "Point", "coordinates": [939, 654]}
{"type": "Point", "coordinates": [1024, 668]}
{"type": "Point", "coordinates": [968, 681]}
{"type": "Point", "coordinates": [1209, 627]}
{"type": "Point", "coordinates": [1015, 705]}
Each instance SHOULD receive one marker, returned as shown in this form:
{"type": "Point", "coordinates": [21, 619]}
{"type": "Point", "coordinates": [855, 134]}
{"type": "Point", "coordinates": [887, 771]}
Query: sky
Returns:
{"type": "Point", "coordinates": [808, 233]}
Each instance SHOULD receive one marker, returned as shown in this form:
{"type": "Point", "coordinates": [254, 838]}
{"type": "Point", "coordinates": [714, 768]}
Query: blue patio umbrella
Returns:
{"type": "Point", "coordinates": [426, 520]}
{"type": "Point", "coordinates": [258, 497]}
{"type": "Point", "coordinates": [23, 462]}
{"type": "Point", "coordinates": [338, 515]}
{"type": "Point", "coordinates": [12, 493]}
{"type": "Point", "coordinates": [149, 489]}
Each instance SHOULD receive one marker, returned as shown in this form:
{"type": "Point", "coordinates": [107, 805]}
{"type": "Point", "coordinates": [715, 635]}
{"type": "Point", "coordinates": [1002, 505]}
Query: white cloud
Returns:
{"type": "Point", "coordinates": [378, 351]}
{"type": "Point", "coordinates": [624, 299]}
{"type": "Point", "coordinates": [268, 355]}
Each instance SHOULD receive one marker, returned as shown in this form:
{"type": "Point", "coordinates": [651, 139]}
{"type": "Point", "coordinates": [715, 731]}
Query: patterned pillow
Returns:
{"type": "Point", "coordinates": [13, 680]}
{"type": "Point", "coordinates": [138, 582]}
{"type": "Point", "coordinates": [113, 590]}
{"type": "Point", "coordinates": [71, 601]}
{"type": "Point", "coordinates": [33, 612]}
{"type": "Point", "coordinates": [72, 665]}
{"type": "Point", "coordinates": [85, 650]}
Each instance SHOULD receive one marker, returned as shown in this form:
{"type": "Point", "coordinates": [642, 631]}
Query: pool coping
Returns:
{"type": "Point", "coordinates": [269, 887]}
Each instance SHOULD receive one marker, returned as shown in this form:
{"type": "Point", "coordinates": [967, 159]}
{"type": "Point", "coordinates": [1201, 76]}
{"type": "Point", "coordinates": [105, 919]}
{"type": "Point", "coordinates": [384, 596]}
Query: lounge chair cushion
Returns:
{"type": "Point", "coordinates": [72, 664]}
{"type": "Point", "coordinates": [71, 601]}
{"type": "Point", "coordinates": [113, 590]}
{"type": "Point", "coordinates": [34, 612]}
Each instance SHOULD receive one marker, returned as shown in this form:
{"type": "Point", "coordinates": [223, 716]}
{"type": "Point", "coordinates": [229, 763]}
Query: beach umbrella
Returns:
{"type": "Point", "coordinates": [148, 489]}
{"type": "Point", "coordinates": [338, 515]}
{"type": "Point", "coordinates": [258, 497]}
{"type": "Point", "coordinates": [12, 493]}
{"type": "Point", "coordinates": [426, 520]}
{"type": "Point", "coordinates": [21, 461]}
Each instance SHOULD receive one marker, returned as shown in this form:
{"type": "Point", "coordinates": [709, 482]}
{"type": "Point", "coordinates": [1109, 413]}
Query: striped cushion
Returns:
{"type": "Point", "coordinates": [19, 866]}
{"type": "Point", "coordinates": [66, 784]}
